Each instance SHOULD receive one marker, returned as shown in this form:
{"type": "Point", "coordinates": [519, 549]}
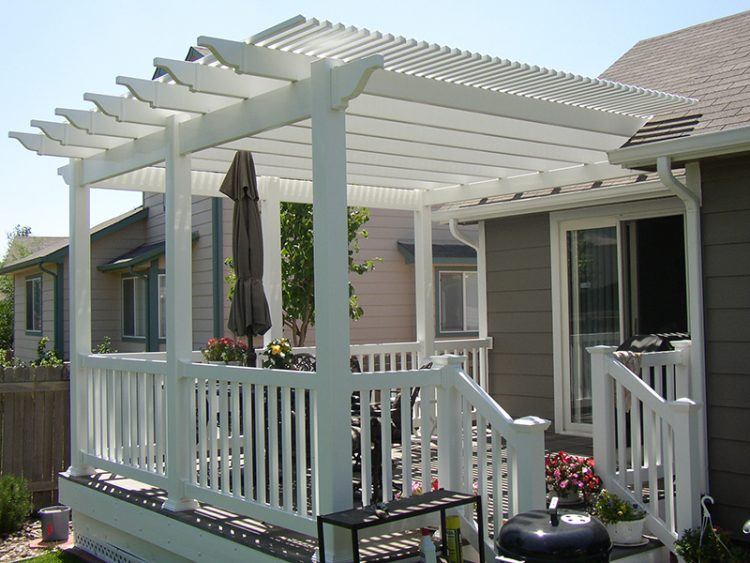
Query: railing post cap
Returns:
{"type": "Point", "coordinates": [684, 405]}
{"type": "Point", "coordinates": [447, 360]}
{"type": "Point", "coordinates": [531, 424]}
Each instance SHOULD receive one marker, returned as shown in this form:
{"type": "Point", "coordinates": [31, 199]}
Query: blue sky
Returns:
{"type": "Point", "coordinates": [56, 51]}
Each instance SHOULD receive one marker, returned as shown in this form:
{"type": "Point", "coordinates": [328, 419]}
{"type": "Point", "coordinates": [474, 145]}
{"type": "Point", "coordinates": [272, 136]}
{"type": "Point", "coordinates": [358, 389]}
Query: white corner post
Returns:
{"type": "Point", "coordinates": [484, 363]}
{"type": "Point", "coordinates": [690, 194]}
{"type": "Point", "coordinates": [178, 211]}
{"type": "Point", "coordinates": [333, 436]}
{"type": "Point", "coordinates": [688, 467]}
{"type": "Point", "coordinates": [528, 463]}
{"type": "Point", "coordinates": [449, 438]}
{"type": "Point", "coordinates": [80, 317]}
{"type": "Point", "coordinates": [270, 216]}
{"type": "Point", "coordinates": [602, 391]}
{"type": "Point", "coordinates": [424, 281]}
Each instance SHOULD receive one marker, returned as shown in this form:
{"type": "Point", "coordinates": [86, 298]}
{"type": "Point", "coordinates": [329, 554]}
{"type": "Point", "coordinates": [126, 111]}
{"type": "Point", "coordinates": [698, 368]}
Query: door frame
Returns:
{"type": "Point", "coordinates": [589, 218]}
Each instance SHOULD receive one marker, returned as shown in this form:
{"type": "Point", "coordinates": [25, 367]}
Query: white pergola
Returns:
{"type": "Point", "coordinates": [365, 118]}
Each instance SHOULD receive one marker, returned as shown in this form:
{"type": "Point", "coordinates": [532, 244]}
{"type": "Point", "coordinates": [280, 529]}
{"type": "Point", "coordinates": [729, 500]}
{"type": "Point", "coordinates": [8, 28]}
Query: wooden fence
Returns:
{"type": "Point", "coordinates": [35, 427]}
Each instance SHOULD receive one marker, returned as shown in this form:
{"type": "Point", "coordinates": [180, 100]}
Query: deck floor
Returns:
{"type": "Point", "coordinates": [287, 544]}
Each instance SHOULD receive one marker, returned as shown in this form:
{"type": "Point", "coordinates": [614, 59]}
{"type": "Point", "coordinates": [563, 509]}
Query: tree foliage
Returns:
{"type": "Point", "coordinates": [16, 250]}
{"type": "Point", "coordinates": [297, 265]}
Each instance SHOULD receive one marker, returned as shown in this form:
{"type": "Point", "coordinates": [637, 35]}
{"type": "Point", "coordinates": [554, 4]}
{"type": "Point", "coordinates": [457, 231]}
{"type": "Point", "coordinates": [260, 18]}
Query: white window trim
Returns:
{"type": "Point", "coordinates": [122, 301]}
{"type": "Point", "coordinates": [588, 218]}
{"type": "Point", "coordinates": [34, 280]}
{"type": "Point", "coordinates": [464, 272]}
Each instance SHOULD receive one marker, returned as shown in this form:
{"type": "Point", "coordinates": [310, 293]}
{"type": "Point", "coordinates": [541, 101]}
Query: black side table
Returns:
{"type": "Point", "coordinates": [358, 519]}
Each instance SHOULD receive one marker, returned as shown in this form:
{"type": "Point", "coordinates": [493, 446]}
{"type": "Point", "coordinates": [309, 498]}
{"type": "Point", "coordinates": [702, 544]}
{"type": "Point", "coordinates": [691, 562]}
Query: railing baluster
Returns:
{"type": "Point", "coordinates": [622, 469]}
{"type": "Point", "coordinates": [467, 447]}
{"type": "Point", "coordinates": [425, 436]}
{"type": "Point", "coordinates": [385, 440]}
{"type": "Point", "coordinates": [286, 445]}
{"type": "Point", "coordinates": [406, 425]}
{"type": "Point", "coordinates": [160, 425]}
{"type": "Point", "coordinates": [301, 452]}
{"type": "Point", "coordinates": [653, 481]}
{"type": "Point", "coordinates": [134, 446]}
{"type": "Point", "coordinates": [111, 427]}
{"type": "Point", "coordinates": [314, 450]}
{"type": "Point", "coordinates": [636, 447]}
{"type": "Point", "coordinates": [117, 408]}
{"type": "Point", "coordinates": [213, 415]}
{"type": "Point", "coordinates": [247, 424]}
{"type": "Point", "coordinates": [236, 455]}
{"type": "Point", "coordinates": [201, 425]}
{"type": "Point", "coordinates": [260, 444]}
{"type": "Point", "coordinates": [273, 444]}
{"type": "Point", "coordinates": [482, 469]}
{"type": "Point", "coordinates": [497, 486]}
{"type": "Point", "coordinates": [224, 436]}
{"type": "Point", "coordinates": [365, 447]}
{"type": "Point", "coordinates": [150, 434]}
{"type": "Point", "coordinates": [669, 478]}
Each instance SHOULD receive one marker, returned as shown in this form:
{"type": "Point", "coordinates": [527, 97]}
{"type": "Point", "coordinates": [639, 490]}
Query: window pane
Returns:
{"type": "Point", "coordinates": [128, 313]}
{"type": "Point", "coordinates": [593, 306]}
{"type": "Point", "coordinates": [37, 304]}
{"type": "Point", "coordinates": [29, 305]}
{"type": "Point", "coordinates": [141, 317]}
{"type": "Point", "coordinates": [472, 302]}
{"type": "Point", "coordinates": [451, 302]}
{"type": "Point", "coordinates": [162, 306]}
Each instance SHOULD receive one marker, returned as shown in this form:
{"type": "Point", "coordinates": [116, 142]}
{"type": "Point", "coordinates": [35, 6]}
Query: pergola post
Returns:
{"type": "Point", "coordinates": [424, 282]}
{"type": "Point", "coordinates": [270, 216]}
{"type": "Point", "coordinates": [178, 207]}
{"type": "Point", "coordinates": [80, 317]}
{"type": "Point", "coordinates": [334, 441]}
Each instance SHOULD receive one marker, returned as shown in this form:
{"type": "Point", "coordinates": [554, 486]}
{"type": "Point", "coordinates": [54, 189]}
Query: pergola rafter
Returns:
{"type": "Point", "coordinates": [433, 118]}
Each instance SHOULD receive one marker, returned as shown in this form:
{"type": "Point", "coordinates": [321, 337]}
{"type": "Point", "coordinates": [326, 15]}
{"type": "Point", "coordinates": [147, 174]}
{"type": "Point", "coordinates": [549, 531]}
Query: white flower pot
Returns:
{"type": "Point", "coordinates": [626, 533]}
{"type": "Point", "coordinates": [567, 498]}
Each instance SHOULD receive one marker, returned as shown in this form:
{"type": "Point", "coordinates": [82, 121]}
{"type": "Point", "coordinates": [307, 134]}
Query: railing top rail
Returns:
{"type": "Point", "coordinates": [252, 375]}
{"type": "Point", "coordinates": [394, 379]}
{"type": "Point", "coordinates": [637, 387]}
{"type": "Point", "coordinates": [104, 361]}
{"type": "Point", "coordinates": [464, 343]}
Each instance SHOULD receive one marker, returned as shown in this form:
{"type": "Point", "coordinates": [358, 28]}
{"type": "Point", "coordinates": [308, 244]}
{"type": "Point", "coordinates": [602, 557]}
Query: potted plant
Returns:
{"type": "Point", "coordinates": [623, 520]}
{"type": "Point", "coordinates": [278, 354]}
{"type": "Point", "coordinates": [706, 546]}
{"type": "Point", "coordinates": [572, 478]}
{"type": "Point", "coordinates": [225, 351]}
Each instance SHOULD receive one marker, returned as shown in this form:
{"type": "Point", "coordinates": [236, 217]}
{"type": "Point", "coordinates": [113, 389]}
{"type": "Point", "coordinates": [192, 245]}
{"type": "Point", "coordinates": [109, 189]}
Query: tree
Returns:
{"type": "Point", "coordinates": [16, 250]}
{"type": "Point", "coordinates": [297, 265]}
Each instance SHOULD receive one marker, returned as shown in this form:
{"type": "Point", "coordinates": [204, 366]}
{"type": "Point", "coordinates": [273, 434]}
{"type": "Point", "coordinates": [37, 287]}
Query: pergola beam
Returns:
{"type": "Point", "coordinates": [97, 123]}
{"type": "Point", "coordinates": [44, 146]}
{"type": "Point", "coordinates": [68, 135]}
{"type": "Point", "coordinates": [160, 95]}
{"type": "Point", "coordinates": [552, 179]}
{"type": "Point", "coordinates": [258, 61]}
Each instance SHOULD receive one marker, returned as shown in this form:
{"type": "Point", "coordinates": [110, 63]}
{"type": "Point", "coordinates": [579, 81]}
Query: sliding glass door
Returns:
{"type": "Point", "coordinates": [593, 310]}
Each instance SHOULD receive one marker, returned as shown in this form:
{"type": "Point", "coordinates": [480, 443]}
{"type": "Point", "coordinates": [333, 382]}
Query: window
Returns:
{"type": "Point", "coordinates": [458, 302]}
{"type": "Point", "coordinates": [162, 306]}
{"type": "Point", "coordinates": [134, 311]}
{"type": "Point", "coordinates": [34, 304]}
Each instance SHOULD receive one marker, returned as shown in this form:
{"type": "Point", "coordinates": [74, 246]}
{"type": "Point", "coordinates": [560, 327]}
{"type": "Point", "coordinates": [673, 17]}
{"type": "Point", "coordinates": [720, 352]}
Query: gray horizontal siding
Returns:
{"type": "Point", "coordinates": [726, 272]}
{"type": "Point", "coordinates": [519, 304]}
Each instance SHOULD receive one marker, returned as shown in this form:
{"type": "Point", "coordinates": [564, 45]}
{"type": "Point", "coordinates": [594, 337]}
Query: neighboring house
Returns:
{"type": "Point", "coordinates": [128, 284]}
{"type": "Point", "coordinates": [578, 266]}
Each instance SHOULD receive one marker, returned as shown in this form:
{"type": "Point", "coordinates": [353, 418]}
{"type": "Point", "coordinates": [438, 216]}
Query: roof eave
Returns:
{"type": "Point", "coordinates": [684, 149]}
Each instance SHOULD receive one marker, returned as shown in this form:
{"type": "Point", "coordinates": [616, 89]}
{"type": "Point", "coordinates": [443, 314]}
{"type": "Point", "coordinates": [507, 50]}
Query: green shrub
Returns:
{"type": "Point", "coordinates": [105, 347]}
{"type": "Point", "coordinates": [46, 358]}
{"type": "Point", "coordinates": [711, 546]}
{"type": "Point", "coordinates": [15, 503]}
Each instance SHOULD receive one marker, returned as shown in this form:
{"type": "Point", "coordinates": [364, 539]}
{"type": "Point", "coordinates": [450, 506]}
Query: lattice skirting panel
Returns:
{"type": "Point", "coordinates": [105, 551]}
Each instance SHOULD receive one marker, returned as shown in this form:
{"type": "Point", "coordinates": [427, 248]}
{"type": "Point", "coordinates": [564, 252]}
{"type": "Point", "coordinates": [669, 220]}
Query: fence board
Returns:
{"type": "Point", "coordinates": [35, 428]}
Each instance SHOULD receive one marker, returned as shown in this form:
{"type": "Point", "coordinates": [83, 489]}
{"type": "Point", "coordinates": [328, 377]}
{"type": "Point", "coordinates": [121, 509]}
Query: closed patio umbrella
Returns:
{"type": "Point", "coordinates": [249, 314]}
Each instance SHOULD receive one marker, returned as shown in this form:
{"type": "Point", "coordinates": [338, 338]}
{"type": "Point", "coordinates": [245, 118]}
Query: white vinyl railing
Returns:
{"type": "Point", "coordinates": [250, 436]}
{"type": "Point", "coordinates": [645, 432]}
{"type": "Point", "coordinates": [126, 417]}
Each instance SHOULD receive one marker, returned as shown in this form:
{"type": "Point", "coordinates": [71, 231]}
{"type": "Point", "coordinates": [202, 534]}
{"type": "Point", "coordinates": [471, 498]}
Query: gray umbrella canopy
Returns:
{"type": "Point", "coordinates": [249, 314]}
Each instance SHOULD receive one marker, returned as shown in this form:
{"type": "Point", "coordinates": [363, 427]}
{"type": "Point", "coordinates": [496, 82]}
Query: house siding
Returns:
{"type": "Point", "coordinates": [726, 301]}
{"type": "Point", "coordinates": [519, 308]}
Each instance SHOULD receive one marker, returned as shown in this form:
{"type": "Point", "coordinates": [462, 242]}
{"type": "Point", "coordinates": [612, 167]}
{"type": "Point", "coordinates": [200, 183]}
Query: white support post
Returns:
{"type": "Point", "coordinates": [178, 210]}
{"type": "Point", "coordinates": [449, 420]}
{"type": "Point", "coordinates": [688, 470]}
{"type": "Point", "coordinates": [602, 392]}
{"type": "Point", "coordinates": [270, 208]}
{"type": "Point", "coordinates": [80, 317]}
{"type": "Point", "coordinates": [424, 281]}
{"type": "Point", "coordinates": [333, 439]}
{"type": "Point", "coordinates": [528, 463]}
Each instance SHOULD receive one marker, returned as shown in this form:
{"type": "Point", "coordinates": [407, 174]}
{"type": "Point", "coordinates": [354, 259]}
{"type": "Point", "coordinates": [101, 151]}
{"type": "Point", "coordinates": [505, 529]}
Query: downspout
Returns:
{"type": "Point", "coordinates": [479, 247]}
{"type": "Point", "coordinates": [690, 195]}
{"type": "Point", "coordinates": [58, 306]}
